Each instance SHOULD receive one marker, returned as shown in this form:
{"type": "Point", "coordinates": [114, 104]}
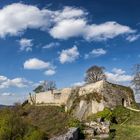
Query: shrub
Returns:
{"type": "Point", "coordinates": [35, 135]}
{"type": "Point", "coordinates": [121, 114]}
{"type": "Point", "coordinates": [14, 127]}
{"type": "Point", "coordinates": [11, 126]}
{"type": "Point", "coordinates": [73, 122]}
{"type": "Point", "coordinates": [106, 114]}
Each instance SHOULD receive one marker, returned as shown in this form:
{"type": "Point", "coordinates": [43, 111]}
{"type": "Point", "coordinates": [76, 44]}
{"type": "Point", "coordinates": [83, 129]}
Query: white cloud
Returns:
{"type": "Point", "coordinates": [16, 82]}
{"type": "Point", "coordinates": [25, 44]}
{"type": "Point", "coordinates": [96, 53]}
{"type": "Point", "coordinates": [68, 28]}
{"type": "Point", "coordinates": [106, 30]}
{"type": "Point", "coordinates": [80, 28]}
{"type": "Point", "coordinates": [7, 94]}
{"type": "Point", "coordinates": [132, 38]}
{"type": "Point", "coordinates": [36, 64]}
{"type": "Point", "coordinates": [17, 17]}
{"type": "Point", "coordinates": [3, 78]}
{"type": "Point", "coordinates": [61, 24]}
{"type": "Point", "coordinates": [72, 22]}
{"type": "Point", "coordinates": [118, 76]}
{"type": "Point", "coordinates": [118, 71]}
{"type": "Point", "coordinates": [79, 83]}
{"type": "Point", "coordinates": [51, 45]}
{"type": "Point", "coordinates": [69, 55]}
{"type": "Point", "coordinates": [69, 13]}
{"type": "Point", "coordinates": [50, 72]}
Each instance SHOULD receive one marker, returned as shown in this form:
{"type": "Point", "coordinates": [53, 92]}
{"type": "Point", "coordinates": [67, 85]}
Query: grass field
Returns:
{"type": "Point", "coordinates": [129, 128]}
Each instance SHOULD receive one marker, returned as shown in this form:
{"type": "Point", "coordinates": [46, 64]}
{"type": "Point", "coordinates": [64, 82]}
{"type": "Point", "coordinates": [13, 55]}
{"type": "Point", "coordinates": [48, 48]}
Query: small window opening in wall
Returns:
{"type": "Point", "coordinates": [57, 95]}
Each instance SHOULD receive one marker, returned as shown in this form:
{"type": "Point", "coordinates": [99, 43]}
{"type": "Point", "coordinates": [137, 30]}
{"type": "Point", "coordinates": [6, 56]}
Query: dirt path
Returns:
{"type": "Point", "coordinates": [133, 109]}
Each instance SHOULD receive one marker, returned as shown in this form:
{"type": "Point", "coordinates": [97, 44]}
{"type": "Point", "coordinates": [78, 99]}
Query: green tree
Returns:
{"type": "Point", "coordinates": [45, 86]}
{"type": "Point", "coordinates": [39, 88]}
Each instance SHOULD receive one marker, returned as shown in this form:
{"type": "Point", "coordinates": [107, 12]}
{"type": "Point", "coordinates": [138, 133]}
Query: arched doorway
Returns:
{"type": "Point", "coordinates": [123, 102]}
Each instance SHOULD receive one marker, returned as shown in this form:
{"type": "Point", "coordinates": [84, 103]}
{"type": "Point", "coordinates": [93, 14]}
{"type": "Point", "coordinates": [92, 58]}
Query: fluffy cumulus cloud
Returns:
{"type": "Point", "coordinates": [72, 22]}
{"type": "Point", "coordinates": [51, 45]}
{"type": "Point", "coordinates": [61, 24]}
{"type": "Point", "coordinates": [50, 72]}
{"type": "Point", "coordinates": [107, 30]}
{"type": "Point", "coordinates": [79, 27]}
{"type": "Point", "coordinates": [25, 44]}
{"type": "Point", "coordinates": [96, 53]}
{"type": "Point", "coordinates": [118, 76]}
{"type": "Point", "coordinates": [17, 17]}
{"type": "Point", "coordinates": [37, 64]}
{"type": "Point", "coordinates": [68, 28]}
{"type": "Point", "coordinates": [69, 55]}
{"type": "Point", "coordinates": [16, 82]}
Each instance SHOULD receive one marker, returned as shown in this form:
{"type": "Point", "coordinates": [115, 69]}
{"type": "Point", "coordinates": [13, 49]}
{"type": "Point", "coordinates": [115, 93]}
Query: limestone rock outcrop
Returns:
{"type": "Point", "coordinates": [92, 98]}
{"type": "Point", "coordinates": [72, 134]}
{"type": "Point", "coordinates": [97, 129]}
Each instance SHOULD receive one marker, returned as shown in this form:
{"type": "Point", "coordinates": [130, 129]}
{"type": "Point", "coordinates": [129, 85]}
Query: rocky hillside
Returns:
{"type": "Point", "coordinates": [92, 98]}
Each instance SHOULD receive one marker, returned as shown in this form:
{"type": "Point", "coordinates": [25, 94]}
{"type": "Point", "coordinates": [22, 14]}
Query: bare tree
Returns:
{"type": "Point", "coordinates": [50, 85]}
{"type": "Point", "coordinates": [136, 78]}
{"type": "Point", "coordinates": [94, 74]}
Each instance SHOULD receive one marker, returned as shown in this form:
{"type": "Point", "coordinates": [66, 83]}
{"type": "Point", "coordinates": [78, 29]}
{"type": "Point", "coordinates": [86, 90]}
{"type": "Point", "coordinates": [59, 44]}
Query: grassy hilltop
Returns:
{"type": "Point", "coordinates": [40, 123]}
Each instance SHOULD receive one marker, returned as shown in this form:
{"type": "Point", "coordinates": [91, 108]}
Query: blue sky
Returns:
{"type": "Point", "coordinates": [49, 40]}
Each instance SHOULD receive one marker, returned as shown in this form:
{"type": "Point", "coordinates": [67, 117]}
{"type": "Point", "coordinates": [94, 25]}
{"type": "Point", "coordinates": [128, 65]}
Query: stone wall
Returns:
{"type": "Point", "coordinates": [59, 97]}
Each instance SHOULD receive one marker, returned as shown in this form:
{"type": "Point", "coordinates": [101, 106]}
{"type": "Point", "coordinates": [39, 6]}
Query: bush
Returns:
{"type": "Point", "coordinates": [13, 127]}
{"type": "Point", "coordinates": [106, 114]}
{"type": "Point", "coordinates": [121, 114]}
{"type": "Point", "coordinates": [72, 122]}
{"type": "Point", "coordinates": [35, 135]}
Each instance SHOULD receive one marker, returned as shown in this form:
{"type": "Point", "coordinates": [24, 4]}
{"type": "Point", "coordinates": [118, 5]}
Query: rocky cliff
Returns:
{"type": "Point", "coordinates": [91, 98]}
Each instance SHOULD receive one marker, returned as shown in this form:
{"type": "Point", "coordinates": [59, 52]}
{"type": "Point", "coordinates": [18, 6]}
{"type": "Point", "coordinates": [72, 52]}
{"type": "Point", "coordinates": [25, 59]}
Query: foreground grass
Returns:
{"type": "Point", "coordinates": [129, 128]}
{"type": "Point", "coordinates": [126, 132]}
{"type": "Point", "coordinates": [125, 123]}
{"type": "Point", "coordinates": [51, 120]}
{"type": "Point", "coordinates": [32, 122]}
